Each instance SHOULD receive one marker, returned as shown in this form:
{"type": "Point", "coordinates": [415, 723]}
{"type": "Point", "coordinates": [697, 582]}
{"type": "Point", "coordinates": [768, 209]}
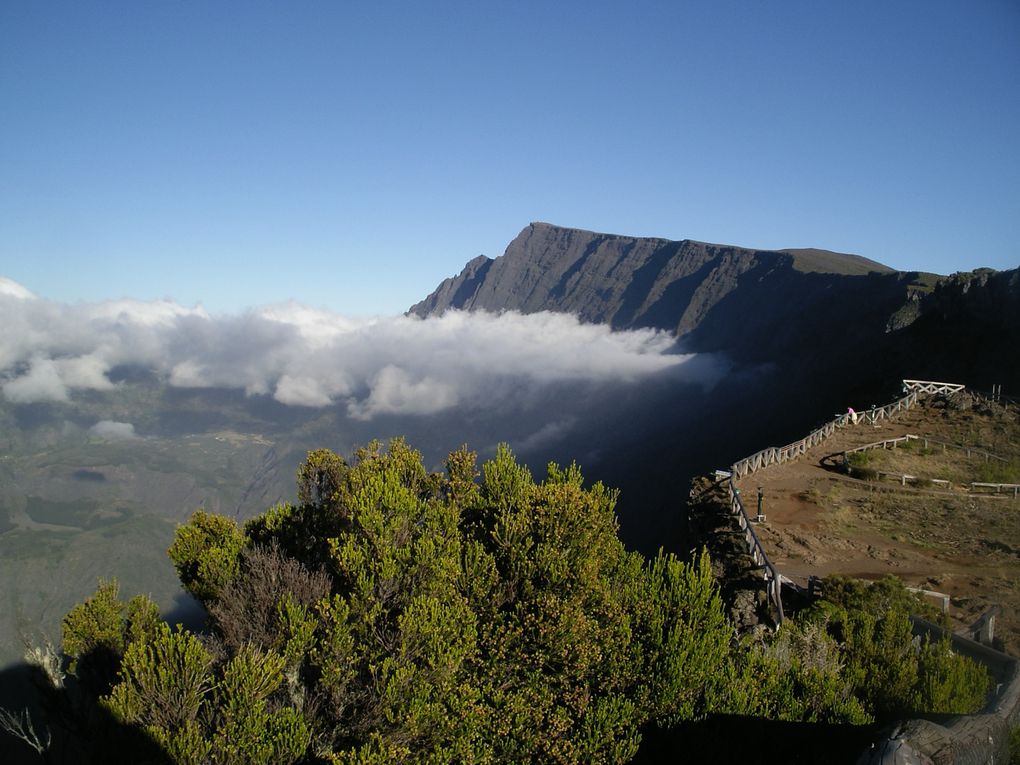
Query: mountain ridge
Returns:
{"type": "Point", "coordinates": [756, 305]}
{"type": "Point", "coordinates": [684, 286]}
{"type": "Point", "coordinates": [809, 338]}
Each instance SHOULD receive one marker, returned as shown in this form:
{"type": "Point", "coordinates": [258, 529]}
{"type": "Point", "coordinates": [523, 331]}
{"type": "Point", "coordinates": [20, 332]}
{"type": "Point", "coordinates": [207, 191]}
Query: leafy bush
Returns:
{"type": "Point", "coordinates": [857, 465]}
{"type": "Point", "coordinates": [860, 459]}
{"type": "Point", "coordinates": [995, 471]}
{"type": "Point", "coordinates": [878, 598]}
{"type": "Point", "coordinates": [864, 473]}
{"type": "Point", "coordinates": [890, 671]}
{"type": "Point", "coordinates": [397, 615]}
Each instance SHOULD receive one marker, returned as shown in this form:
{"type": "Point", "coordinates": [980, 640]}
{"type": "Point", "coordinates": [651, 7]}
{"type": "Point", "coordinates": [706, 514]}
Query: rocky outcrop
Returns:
{"type": "Point", "coordinates": [711, 524]}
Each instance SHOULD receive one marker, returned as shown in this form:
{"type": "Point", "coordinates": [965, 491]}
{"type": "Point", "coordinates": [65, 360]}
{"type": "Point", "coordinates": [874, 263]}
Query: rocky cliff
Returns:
{"type": "Point", "coordinates": [624, 281]}
{"type": "Point", "coordinates": [804, 334]}
{"type": "Point", "coordinates": [808, 309]}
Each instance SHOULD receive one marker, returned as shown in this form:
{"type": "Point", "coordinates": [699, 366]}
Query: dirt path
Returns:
{"type": "Point", "coordinates": [821, 522]}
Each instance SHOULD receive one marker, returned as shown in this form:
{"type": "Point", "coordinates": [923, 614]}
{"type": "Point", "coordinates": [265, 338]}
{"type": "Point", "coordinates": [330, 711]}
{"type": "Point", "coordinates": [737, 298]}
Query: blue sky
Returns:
{"type": "Point", "coordinates": [349, 156]}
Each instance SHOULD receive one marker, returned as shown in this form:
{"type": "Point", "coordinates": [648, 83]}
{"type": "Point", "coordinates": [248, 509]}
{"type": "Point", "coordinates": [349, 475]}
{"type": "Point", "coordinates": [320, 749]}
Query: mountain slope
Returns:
{"type": "Point", "coordinates": [620, 280]}
{"type": "Point", "coordinates": [803, 334]}
{"type": "Point", "coordinates": [715, 297]}
{"type": "Point", "coordinates": [806, 310]}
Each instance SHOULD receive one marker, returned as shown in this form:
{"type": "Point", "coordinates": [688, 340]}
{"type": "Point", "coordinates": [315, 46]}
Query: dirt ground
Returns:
{"type": "Point", "coordinates": [958, 542]}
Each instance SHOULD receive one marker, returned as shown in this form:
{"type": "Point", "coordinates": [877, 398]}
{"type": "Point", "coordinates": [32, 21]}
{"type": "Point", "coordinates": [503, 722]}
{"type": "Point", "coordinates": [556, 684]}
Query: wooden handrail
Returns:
{"type": "Point", "coordinates": [911, 437]}
{"type": "Point", "coordinates": [773, 580]}
{"type": "Point", "coordinates": [931, 387]}
{"type": "Point", "coordinates": [775, 455]}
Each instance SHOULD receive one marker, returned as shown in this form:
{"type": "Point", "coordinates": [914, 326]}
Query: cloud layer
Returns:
{"type": "Point", "coordinates": [113, 431]}
{"type": "Point", "coordinates": [303, 357]}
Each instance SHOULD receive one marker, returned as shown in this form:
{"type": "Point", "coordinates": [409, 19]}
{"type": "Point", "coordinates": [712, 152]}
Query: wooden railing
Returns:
{"type": "Point", "coordinates": [999, 488]}
{"type": "Point", "coordinates": [777, 455]}
{"type": "Point", "coordinates": [970, 732]}
{"type": "Point", "coordinates": [773, 581]}
{"type": "Point", "coordinates": [903, 478]}
{"type": "Point", "coordinates": [926, 443]}
{"type": "Point", "coordinates": [929, 387]}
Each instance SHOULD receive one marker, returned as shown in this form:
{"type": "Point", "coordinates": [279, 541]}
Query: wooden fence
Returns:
{"type": "Point", "coordinates": [892, 443]}
{"type": "Point", "coordinates": [975, 736]}
{"type": "Point", "coordinates": [777, 455]}
{"type": "Point", "coordinates": [903, 478]}
{"type": "Point", "coordinates": [773, 580]}
{"type": "Point", "coordinates": [930, 388]}
{"type": "Point", "coordinates": [998, 488]}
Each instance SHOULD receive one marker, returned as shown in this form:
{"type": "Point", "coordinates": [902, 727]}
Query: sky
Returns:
{"type": "Point", "coordinates": [349, 156]}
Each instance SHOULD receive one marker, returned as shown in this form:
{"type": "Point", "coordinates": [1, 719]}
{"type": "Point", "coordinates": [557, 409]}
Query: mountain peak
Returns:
{"type": "Point", "coordinates": [621, 280]}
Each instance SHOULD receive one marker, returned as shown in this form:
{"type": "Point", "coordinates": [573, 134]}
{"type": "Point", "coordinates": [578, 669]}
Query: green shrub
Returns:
{"type": "Point", "coordinates": [995, 471]}
{"type": "Point", "coordinates": [395, 613]}
{"type": "Point", "coordinates": [891, 672]}
{"type": "Point", "coordinates": [865, 473]}
{"type": "Point", "coordinates": [860, 459]}
{"type": "Point", "coordinates": [400, 615]}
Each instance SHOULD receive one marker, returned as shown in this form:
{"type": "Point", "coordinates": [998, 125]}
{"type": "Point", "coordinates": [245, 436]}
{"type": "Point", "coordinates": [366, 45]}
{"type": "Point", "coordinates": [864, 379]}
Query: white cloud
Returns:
{"type": "Point", "coordinates": [153, 314]}
{"type": "Point", "coordinates": [393, 391]}
{"type": "Point", "coordinates": [113, 431]}
{"type": "Point", "coordinates": [84, 372]}
{"type": "Point", "coordinates": [10, 288]}
{"type": "Point", "coordinates": [385, 366]}
{"type": "Point", "coordinates": [306, 391]}
{"type": "Point", "coordinates": [40, 383]}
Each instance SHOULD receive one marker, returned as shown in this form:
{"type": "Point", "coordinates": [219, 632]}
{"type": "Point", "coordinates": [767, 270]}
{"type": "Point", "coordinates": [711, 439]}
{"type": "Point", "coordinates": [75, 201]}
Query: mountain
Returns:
{"type": "Point", "coordinates": [750, 304]}
{"type": "Point", "coordinates": [620, 280]}
{"type": "Point", "coordinates": [801, 333]}
{"type": "Point", "coordinates": [803, 309]}
{"type": "Point", "coordinates": [784, 339]}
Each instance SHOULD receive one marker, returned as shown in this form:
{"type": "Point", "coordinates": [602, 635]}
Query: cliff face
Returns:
{"type": "Point", "coordinates": [804, 310]}
{"type": "Point", "coordinates": [805, 332]}
{"type": "Point", "coordinates": [620, 280]}
{"type": "Point", "coordinates": [967, 329]}
{"type": "Point", "coordinates": [715, 297]}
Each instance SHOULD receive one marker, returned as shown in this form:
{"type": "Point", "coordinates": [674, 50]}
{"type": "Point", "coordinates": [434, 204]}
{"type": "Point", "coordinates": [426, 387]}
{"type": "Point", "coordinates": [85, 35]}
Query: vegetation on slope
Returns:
{"type": "Point", "coordinates": [393, 615]}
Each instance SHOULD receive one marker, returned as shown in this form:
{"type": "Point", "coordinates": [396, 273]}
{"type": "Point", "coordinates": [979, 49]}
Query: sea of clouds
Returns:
{"type": "Point", "coordinates": [400, 365]}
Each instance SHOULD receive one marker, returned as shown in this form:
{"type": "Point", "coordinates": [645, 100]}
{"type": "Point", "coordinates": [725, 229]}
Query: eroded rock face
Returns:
{"type": "Point", "coordinates": [699, 291]}
{"type": "Point", "coordinates": [805, 310]}
{"type": "Point", "coordinates": [712, 525]}
{"type": "Point", "coordinates": [617, 280]}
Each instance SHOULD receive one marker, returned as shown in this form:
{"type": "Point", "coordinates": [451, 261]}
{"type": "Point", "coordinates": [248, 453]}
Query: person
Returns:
{"type": "Point", "coordinates": [851, 415]}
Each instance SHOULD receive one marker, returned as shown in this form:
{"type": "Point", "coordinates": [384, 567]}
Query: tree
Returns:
{"type": "Point", "coordinates": [892, 673]}
{"type": "Point", "coordinates": [398, 615]}
{"type": "Point", "coordinates": [470, 616]}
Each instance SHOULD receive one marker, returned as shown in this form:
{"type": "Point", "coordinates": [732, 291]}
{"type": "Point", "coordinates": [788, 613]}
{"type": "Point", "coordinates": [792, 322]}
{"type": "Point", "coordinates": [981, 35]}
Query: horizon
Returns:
{"type": "Point", "coordinates": [351, 158]}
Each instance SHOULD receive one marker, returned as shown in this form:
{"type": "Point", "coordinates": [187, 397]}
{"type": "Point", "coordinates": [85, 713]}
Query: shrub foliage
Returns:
{"type": "Point", "coordinates": [397, 615]}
